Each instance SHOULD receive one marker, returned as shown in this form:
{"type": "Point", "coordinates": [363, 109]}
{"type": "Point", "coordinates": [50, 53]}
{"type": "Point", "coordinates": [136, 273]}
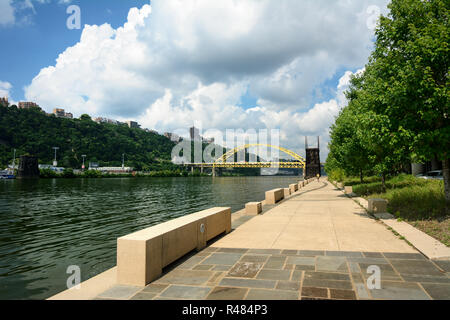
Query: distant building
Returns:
{"type": "Point", "coordinates": [61, 113]}
{"type": "Point", "coordinates": [106, 120]}
{"type": "Point", "coordinates": [209, 140]}
{"type": "Point", "coordinates": [172, 136]}
{"type": "Point", "coordinates": [93, 165]}
{"type": "Point", "coordinates": [113, 170]}
{"type": "Point", "coordinates": [133, 124]}
{"type": "Point", "coordinates": [50, 167]}
{"type": "Point", "coordinates": [4, 102]}
{"type": "Point", "coordinates": [27, 105]}
{"type": "Point", "coordinates": [151, 131]}
{"type": "Point", "coordinates": [195, 134]}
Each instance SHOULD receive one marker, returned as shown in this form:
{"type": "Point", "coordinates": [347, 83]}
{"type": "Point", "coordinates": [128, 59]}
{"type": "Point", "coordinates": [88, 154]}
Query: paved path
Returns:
{"type": "Point", "coordinates": [319, 217]}
{"type": "Point", "coordinates": [317, 244]}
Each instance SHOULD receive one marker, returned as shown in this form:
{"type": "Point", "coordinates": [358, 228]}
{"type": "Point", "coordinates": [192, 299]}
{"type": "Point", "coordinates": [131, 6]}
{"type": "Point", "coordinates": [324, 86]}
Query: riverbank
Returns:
{"type": "Point", "coordinates": [71, 174]}
{"type": "Point", "coordinates": [419, 202]}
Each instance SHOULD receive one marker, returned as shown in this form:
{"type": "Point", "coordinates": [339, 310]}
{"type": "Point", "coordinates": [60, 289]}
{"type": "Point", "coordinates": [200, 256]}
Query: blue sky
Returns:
{"type": "Point", "coordinates": [248, 64]}
{"type": "Point", "coordinates": [40, 35]}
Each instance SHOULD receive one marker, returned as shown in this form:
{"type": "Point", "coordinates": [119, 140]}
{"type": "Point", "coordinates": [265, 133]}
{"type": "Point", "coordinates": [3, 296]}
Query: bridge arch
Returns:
{"type": "Point", "coordinates": [232, 152]}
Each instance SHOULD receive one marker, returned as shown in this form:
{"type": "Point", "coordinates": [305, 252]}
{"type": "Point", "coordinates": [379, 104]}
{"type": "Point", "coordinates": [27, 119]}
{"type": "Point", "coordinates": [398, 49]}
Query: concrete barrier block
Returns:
{"type": "Point", "coordinates": [253, 208]}
{"type": "Point", "coordinates": [377, 205]}
{"type": "Point", "coordinates": [139, 262]}
{"type": "Point", "coordinates": [348, 189]}
{"type": "Point", "coordinates": [142, 255]}
{"type": "Point", "coordinates": [287, 192]}
{"type": "Point", "coordinates": [293, 188]}
{"type": "Point", "coordinates": [274, 196]}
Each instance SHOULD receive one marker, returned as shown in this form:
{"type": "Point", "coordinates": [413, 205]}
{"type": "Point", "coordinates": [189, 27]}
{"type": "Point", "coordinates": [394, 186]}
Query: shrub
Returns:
{"type": "Point", "coordinates": [47, 174]}
{"type": "Point", "coordinates": [68, 173]}
{"type": "Point", "coordinates": [336, 175]}
{"type": "Point", "coordinates": [92, 174]}
{"type": "Point", "coordinates": [425, 200]}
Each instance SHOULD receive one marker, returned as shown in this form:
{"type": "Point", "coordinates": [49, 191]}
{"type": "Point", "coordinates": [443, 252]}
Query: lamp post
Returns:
{"type": "Point", "coordinates": [55, 163]}
{"type": "Point", "coordinates": [123, 161]}
{"type": "Point", "coordinates": [14, 161]}
{"type": "Point", "coordinates": [84, 157]}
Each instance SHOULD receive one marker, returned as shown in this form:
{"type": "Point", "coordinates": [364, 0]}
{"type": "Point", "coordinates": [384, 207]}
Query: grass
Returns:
{"type": "Point", "coordinates": [418, 202]}
{"type": "Point", "coordinates": [407, 201]}
{"type": "Point", "coordinates": [352, 181]}
{"type": "Point", "coordinates": [437, 228]}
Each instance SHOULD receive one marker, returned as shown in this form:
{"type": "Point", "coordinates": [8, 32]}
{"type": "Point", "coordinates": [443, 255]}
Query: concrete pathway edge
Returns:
{"type": "Point", "coordinates": [427, 245]}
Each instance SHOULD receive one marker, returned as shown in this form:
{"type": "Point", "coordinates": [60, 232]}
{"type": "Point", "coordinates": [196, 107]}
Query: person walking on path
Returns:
{"type": "Point", "coordinates": [318, 177]}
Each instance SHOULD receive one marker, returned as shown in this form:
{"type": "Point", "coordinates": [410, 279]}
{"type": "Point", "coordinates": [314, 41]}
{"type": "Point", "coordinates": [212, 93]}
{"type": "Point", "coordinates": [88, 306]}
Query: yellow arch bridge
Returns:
{"type": "Point", "coordinates": [223, 161]}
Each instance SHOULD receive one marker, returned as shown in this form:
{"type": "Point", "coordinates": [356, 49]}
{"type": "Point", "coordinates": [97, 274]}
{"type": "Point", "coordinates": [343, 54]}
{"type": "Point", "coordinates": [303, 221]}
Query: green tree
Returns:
{"type": "Point", "coordinates": [347, 148]}
{"type": "Point", "coordinates": [408, 78]}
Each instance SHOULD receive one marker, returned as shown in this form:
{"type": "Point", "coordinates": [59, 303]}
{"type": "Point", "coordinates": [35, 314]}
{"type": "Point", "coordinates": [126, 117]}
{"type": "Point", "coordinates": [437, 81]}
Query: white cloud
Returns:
{"type": "Point", "coordinates": [5, 87]}
{"type": "Point", "coordinates": [180, 61]}
{"type": "Point", "coordinates": [6, 12]}
{"type": "Point", "coordinates": [10, 9]}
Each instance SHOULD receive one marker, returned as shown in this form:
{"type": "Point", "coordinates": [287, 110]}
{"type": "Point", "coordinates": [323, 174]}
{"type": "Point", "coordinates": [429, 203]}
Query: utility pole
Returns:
{"type": "Point", "coordinates": [14, 161]}
{"type": "Point", "coordinates": [84, 157]}
{"type": "Point", "coordinates": [55, 163]}
{"type": "Point", "coordinates": [123, 160]}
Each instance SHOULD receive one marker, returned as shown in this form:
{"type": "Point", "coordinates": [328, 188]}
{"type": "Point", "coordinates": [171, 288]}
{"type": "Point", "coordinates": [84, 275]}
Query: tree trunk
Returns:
{"type": "Point", "coordinates": [446, 173]}
{"type": "Point", "coordinates": [383, 181]}
{"type": "Point", "coordinates": [361, 176]}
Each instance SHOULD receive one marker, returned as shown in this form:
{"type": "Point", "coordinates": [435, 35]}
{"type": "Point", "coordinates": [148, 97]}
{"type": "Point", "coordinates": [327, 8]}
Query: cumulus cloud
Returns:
{"type": "Point", "coordinates": [6, 12]}
{"type": "Point", "coordinates": [178, 62]}
{"type": "Point", "coordinates": [5, 87]}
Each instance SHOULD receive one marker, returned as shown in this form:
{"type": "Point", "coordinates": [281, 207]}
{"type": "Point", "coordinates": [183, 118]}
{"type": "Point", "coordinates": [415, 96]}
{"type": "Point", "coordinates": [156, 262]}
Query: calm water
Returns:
{"type": "Point", "coordinates": [47, 225]}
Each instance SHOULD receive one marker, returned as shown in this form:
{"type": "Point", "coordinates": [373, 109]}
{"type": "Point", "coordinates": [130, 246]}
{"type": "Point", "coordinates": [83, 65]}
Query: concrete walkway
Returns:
{"type": "Point", "coordinates": [318, 217]}
{"type": "Point", "coordinates": [317, 244]}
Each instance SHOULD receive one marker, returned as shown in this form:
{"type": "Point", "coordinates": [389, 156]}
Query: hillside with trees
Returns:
{"type": "Point", "coordinates": [31, 131]}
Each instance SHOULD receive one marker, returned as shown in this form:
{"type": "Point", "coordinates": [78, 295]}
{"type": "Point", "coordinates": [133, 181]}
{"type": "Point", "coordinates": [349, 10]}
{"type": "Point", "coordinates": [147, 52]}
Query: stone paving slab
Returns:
{"type": "Point", "coordinates": [330, 276]}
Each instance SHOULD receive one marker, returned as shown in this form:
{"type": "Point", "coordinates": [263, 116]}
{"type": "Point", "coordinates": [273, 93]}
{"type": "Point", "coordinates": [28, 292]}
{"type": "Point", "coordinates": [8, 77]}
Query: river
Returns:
{"type": "Point", "coordinates": [48, 225]}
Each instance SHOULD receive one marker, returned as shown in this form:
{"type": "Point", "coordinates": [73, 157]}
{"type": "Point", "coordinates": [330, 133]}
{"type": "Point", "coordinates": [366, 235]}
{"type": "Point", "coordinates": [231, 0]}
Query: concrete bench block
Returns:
{"type": "Point", "coordinates": [274, 196]}
{"type": "Point", "coordinates": [299, 185]}
{"type": "Point", "coordinates": [287, 192]}
{"type": "Point", "coordinates": [348, 189]}
{"type": "Point", "coordinates": [253, 208]}
{"type": "Point", "coordinates": [142, 255]}
{"type": "Point", "coordinates": [293, 188]}
{"type": "Point", "coordinates": [377, 205]}
{"type": "Point", "coordinates": [340, 185]}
